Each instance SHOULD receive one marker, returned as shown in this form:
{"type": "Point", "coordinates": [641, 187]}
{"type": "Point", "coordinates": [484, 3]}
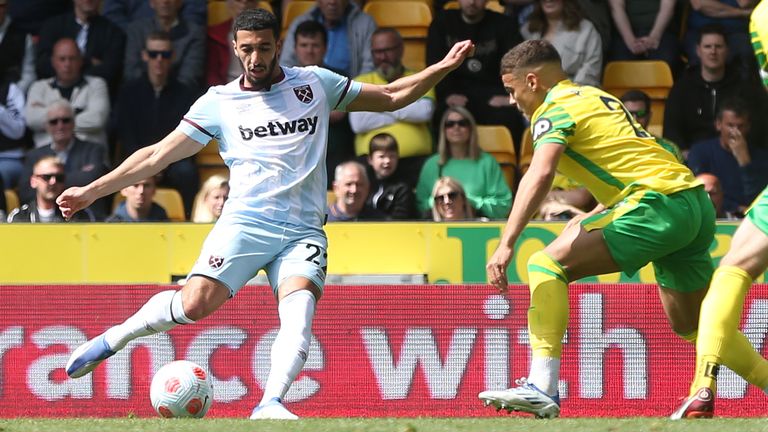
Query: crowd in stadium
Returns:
{"type": "Point", "coordinates": [85, 83]}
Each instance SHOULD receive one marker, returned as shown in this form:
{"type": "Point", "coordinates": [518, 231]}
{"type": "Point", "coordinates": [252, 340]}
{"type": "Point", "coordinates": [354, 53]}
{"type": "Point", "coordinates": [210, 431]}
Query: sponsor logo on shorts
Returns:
{"type": "Point", "coordinates": [215, 262]}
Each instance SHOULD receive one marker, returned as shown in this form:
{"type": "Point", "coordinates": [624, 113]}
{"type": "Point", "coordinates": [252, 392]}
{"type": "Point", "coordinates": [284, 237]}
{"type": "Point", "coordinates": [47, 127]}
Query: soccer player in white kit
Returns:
{"type": "Point", "coordinates": [272, 127]}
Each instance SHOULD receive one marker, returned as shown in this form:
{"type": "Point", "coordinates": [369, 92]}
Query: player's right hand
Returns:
{"type": "Point", "coordinates": [73, 200]}
{"type": "Point", "coordinates": [458, 53]}
{"type": "Point", "coordinates": [496, 268]}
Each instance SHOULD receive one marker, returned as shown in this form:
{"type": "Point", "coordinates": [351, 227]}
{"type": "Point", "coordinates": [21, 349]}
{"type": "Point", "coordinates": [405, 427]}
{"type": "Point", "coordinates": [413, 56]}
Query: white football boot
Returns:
{"type": "Point", "coordinates": [526, 398]}
{"type": "Point", "coordinates": [273, 410]}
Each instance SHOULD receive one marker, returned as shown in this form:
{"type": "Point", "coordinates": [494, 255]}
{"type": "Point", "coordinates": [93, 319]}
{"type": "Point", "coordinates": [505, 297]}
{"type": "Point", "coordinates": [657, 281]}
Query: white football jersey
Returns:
{"type": "Point", "coordinates": [274, 143]}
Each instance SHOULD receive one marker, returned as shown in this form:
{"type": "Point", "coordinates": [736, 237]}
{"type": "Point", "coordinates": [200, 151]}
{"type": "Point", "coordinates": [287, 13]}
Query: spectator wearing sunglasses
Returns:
{"type": "Point", "coordinates": [47, 181]}
{"type": "Point", "coordinates": [187, 36]}
{"type": "Point", "coordinates": [87, 94]}
{"type": "Point", "coordinates": [83, 161]}
{"type": "Point", "coordinates": [151, 106]}
{"type": "Point", "coordinates": [459, 156]}
{"type": "Point", "coordinates": [450, 201]}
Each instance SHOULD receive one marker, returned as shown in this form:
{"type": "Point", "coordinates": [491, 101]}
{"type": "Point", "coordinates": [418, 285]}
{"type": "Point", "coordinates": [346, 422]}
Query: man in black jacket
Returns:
{"type": "Point", "coordinates": [475, 85]}
{"type": "Point", "coordinates": [150, 107]}
{"type": "Point", "coordinates": [101, 42]}
{"type": "Point", "coordinates": [693, 102]}
{"type": "Point", "coordinates": [83, 161]}
{"type": "Point", "coordinates": [47, 181]}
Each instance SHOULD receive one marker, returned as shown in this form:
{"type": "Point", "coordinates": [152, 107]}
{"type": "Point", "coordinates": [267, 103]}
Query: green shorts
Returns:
{"type": "Point", "coordinates": [758, 211]}
{"type": "Point", "coordinates": [674, 232]}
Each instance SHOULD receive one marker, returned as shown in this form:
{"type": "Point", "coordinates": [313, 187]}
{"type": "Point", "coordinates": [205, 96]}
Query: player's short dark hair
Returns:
{"type": "Point", "coordinates": [637, 96]}
{"type": "Point", "coordinates": [311, 28]}
{"type": "Point", "coordinates": [255, 20]}
{"type": "Point", "coordinates": [382, 142]}
{"type": "Point", "coordinates": [735, 105]}
{"type": "Point", "coordinates": [529, 54]}
{"type": "Point", "coordinates": [712, 28]}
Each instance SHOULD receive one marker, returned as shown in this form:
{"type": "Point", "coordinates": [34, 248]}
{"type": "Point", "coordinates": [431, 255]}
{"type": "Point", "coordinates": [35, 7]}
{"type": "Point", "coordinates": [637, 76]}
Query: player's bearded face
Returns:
{"type": "Point", "coordinates": [258, 52]}
{"type": "Point", "coordinates": [257, 78]}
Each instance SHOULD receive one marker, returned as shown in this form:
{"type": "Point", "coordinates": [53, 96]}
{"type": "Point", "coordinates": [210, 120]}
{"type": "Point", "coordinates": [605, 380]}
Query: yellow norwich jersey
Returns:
{"type": "Point", "coordinates": [758, 29]}
{"type": "Point", "coordinates": [413, 139]}
{"type": "Point", "coordinates": [607, 151]}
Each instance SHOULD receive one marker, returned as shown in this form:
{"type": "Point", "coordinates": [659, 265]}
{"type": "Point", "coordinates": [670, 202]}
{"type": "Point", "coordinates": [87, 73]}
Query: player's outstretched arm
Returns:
{"type": "Point", "coordinates": [533, 188]}
{"type": "Point", "coordinates": [406, 90]}
{"type": "Point", "coordinates": [143, 163]}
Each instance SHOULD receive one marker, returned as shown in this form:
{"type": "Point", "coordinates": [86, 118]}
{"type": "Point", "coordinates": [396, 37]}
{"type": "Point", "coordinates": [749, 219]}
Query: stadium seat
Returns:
{"type": "Point", "coordinates": [429, 3]}
{"type": "Point", "coordinates": [651, 76]}
{"type": "Point", "coordinates": [415, 53]}
{"type": "Point", "coordinates": [491, 5]}
{"type": "Point", "coordinates": [169, 199]}
{"type": "Point", "coordinates": [209, 155]}
{"type": "Point", "coordinates": [218, 12]}
{"type": "Point", "coordinates": [206, 172]}
{"type": "Point", "coordinates": [497, 141]}
{"type": "Point", "coordinates": [411, 18]}
{"type": "Point", "coordinates": [294, 9]}
{"type": "Point", "coordinates": [209, 162]}
{"type": "Point", "coordinates": [330, 197]}
{"type": "Point", "coordinates": [526, 151]}
{"type": "Point", "coordinates": [11, 200]}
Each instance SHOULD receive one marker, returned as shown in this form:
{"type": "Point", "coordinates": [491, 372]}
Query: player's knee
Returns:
{"type": "Point", "coordinates": [195, 309]}
{"type": "Point", "coordinates": [201, 300]}
{"type": "Point", "coordinates": [541, 268]}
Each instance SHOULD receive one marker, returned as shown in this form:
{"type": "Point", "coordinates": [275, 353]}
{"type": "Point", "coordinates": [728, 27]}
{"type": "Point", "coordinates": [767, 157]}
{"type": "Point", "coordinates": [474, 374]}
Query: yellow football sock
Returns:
{"type": "Point", "coordinates": [548, 313]}
{"type": "Point", "coordinates": [720, 341]}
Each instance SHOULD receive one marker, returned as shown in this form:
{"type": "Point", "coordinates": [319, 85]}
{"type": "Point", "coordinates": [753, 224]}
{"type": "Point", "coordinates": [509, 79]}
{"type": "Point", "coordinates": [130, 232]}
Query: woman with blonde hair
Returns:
{"type": "Point", "coordinates": [209, 201]}
{"type": "Point", "coordinates": [459, 156]}
{"type": "Point", "coordinates": [450, 201]}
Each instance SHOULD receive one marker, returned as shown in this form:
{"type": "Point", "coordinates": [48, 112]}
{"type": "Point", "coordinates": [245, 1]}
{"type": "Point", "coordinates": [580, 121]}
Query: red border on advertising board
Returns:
{"type": "Point", "coordinates": [421, 350]}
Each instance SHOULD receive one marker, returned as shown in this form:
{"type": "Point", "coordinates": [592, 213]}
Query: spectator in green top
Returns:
{"type": "Point", "coordinates": [459, 156]}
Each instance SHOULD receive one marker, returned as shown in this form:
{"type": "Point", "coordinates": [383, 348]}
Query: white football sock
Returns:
{"type": "Point", "coordinates": [291, 346]}
{"type": "Point", "coordinates": [160, 313]}
{"type": "Point", "coordinates": [545, 372]}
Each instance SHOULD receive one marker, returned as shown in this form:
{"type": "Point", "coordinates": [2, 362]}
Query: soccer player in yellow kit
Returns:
{"type": "Point", "coordinates": [652, 209]}
{"type": "Point", "coordinates": [720, 342]}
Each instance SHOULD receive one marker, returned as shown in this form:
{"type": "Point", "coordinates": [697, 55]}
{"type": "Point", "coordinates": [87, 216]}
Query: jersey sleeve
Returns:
{"type": "Point", "coordinates": [340, 89]}
{"type": "Point", "coordinates": [554, 125]}
{"type": "Point", "coordinates": [202, 121]}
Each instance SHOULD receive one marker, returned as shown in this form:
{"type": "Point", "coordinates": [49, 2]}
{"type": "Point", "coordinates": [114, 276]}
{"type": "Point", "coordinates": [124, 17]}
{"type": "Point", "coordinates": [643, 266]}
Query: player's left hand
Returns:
{"type": "Point", "coordinates": [457, 54]}
{"type": "Point", "coordinates": [496, 268]}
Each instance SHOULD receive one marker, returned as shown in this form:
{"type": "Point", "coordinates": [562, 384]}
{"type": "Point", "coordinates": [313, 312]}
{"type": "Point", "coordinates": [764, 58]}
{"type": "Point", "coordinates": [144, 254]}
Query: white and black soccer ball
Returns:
{"type": "Point", "coordinates": [181, 389]}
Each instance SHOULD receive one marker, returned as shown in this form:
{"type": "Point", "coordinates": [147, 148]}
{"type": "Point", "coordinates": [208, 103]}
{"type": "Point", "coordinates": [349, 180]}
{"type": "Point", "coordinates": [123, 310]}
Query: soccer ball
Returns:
{"type": "Point", "coordinates": [181, 389]}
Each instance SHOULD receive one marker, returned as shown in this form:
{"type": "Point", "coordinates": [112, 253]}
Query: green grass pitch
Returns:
{"type": "Point", "coordinates": [502, 424]}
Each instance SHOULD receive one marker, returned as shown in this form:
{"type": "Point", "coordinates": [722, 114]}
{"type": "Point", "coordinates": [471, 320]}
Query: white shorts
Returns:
{"type": "Point", "coordinates": [234, 252]}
